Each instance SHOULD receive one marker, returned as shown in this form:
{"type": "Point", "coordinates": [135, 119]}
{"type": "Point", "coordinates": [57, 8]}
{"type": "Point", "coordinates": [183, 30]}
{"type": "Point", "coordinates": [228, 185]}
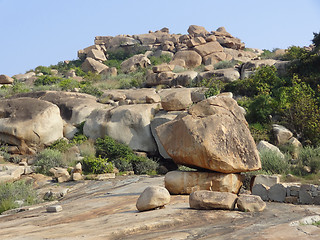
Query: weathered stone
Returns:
{"type": "Point", "coordinates": [213, 135]}
{"type": "Point", "coordinates": [211, 38]}
{"type": "Point", "coordinates": [250, 203]}
{"type": "Point", "coordinates": [10, 172]}
{"type": "Point", "coordinates": [265, 146]}
{"type": "Point", "coordinates": [165, 78]}
{"type": "Point", "coordinates": [162, 68]}
{"type": "Point", "coordinates": [23, 77]}
{"type": "Point", "coordinates": [254, 64]}
{"type": "Point", "coordinates": [91, 65]}
{"type": "Point", "coordinates": [186, 78]}
{"type": "Point", "coordinates": [153, 197]}
{"type": "Point", "coordinates": [212, 200]}
{"type": "Point", "coordinates": [76, 176]}
{"type": "Point", "coordinates": [176, 99]}
{"type": "Point", "coordinates": [214, 58]}
{"type": "Point", "coordinates": [195, 42]}
{"type": "Point", "coordinates": [224, 75]}
{"type": "Point", "coordinates": [197, 95]}
{"type": "Point", "coordinates": [197, 31]}
{"type": "Point", "coordinates": [133, 63]}
{"type": "Point", "coordinates": [129, 124]}
{"type": "Point", "coordinates": [261, 190]}
{"type": "Point", "coordinates": [4, 79]}
{"type": "Point", "coordinates": [97, 55]}
{"type": "Point", "coordinates": [178, 182]}
{"type": "Point", "coordinates": [161, 118]}
{"type": "Point", "coordinates": [121, 41]}
{"type": "Point", "coordinates": [191, 58]}
{"type": "Point", "coordinates": [267, 180]}
{"type": "Point", "coordinates": [208, 48]}
{"type": "Point", "coordinates": [110, 72]}
{"type": "Point", "coordinates": [291, 199]}
{"type": "Point", "coordinates": [281, 134]}
{"type": "Point", "coordinates": [54, 208]}
{"type": "Point", "coordinates": [277, 193]}
{"type": "Point", "coordinates": [60, 174]}
{"type": "Point", "coordinates": [28, 122]}
{"type": "Point", "coordinates": [305, 197]}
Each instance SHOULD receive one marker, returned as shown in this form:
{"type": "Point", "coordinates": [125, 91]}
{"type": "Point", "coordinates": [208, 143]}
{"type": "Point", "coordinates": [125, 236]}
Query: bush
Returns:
{"type": "Point", "coordinates": [165, 58]}
{"type": "Point", "coordinates": [114, 63]}
{"type": "Point", "coordinates": [123, 157]}
{"type": "Point", "coordinates": [69, 84]}
{"type": "Point", "coordinates": [46, 80]}
{"type": "Point", "coordinates": [226, 64]}
{"type": "Point", "coordinates": [87, 87]}
{"type": "Point", "coordinates": [61, 145]}
{"type": "Point", "coordinates": [43, 70]}
{"type": "Point", "coordinates": [47, 159]}
{"type": "Point", "coordinates": [97, 165]}
{"type": "Point", "coordinates": [260, 132]}
{"type": "Point", "coordinates": [63, 67]}
{"type": "Point", "coordinates": [272, 163]}
{"type": "Point", "coordinates": [87, 149]}
{"type": "Point", "coordinates": [309, 157]}
{"type": "Point", "coordinates": [11, 192]}
{"type": "Point", "coordinates": [295, 52]}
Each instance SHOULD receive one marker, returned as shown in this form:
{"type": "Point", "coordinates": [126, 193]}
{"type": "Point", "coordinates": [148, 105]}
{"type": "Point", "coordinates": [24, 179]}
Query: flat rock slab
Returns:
{"type": "Point", "coordinates": [106, 210]}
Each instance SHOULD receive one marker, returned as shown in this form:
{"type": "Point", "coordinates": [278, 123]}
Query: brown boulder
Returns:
{"type": "Point", "coordinates": [208, 48]}
{"type": "Point", "coordinates": [28, 122]}
{"type": "Point", "coordinates": [213, 135]}
{"type": "Point", "coordinates": [250, 203]}
{"type": "Point", "coordinates": [212, 200]}
{"type": "Point", "coordinates": [91, 65]}
{"type": "Point", "coordinates": [176, 99]}
{"type": "Point", "coordinates": [178, 182]}
{"type": "Point", "coordinates": [197, 31]}
{"type": "Point", "coordinates": [4, 79]}
{"type": "Point", "coordinates": [192, 58]}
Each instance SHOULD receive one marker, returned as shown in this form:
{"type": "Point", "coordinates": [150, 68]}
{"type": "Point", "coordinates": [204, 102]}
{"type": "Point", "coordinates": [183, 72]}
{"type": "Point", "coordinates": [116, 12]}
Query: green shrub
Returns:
{"type": "Point", "coordinates": [11, 192]}
{"type": "Point", "coordinates": [69, 84]}
{"type": "Point", "coordinates": [165, 58]}
{"type": "Point", "coordinates": [61, 145]}
{"type": "Point", "coordinates": [87, 87]}
{"type": "Point", "coordinates": [310, 157]}
{"type": "Point", "coordinates": [19, 87]}
{"type": "Point", "coordinates": [295, 52]}
{"type": "Point", "coordinates": [97, 165]}
{"type": "Point", "coordinates": [46, 80]}
{"type": "Point", "coordinates": [226, 64]}
{"type": "Point", "coordinates": [260, 131]}
{"type": "Point", "coordinates": [261, 108]}
{"type": "Point", "coordinates": [79, 139]}
{"type": "Point", "coordinates": [48, 158]}
{"type": "Point", "coordinates": [272, 163]}
{"type": "Point", "coordinates": [43, 70]}
{"type": "Point", "coordinates": [114, 63]}
{"type": "Point", "coordinates": [123, 157]}
{"type": "Point", "coordinates": [87, 149]}
{"type": "Point", "coordinates": [63, 67]}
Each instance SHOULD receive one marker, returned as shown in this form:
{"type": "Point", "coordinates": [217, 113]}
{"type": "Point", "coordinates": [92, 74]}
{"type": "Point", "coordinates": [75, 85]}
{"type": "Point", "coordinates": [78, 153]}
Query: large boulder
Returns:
{"type": "Point", "coordinates": [74, 107]}
{"type": "Point", "coordinates": [212, 200]}
{"type": "Point", "coordinates": [128, 124]}
{"type": "Point", "coordinates": [97, 55]}
{"type": "Point", "coordinates": [4, 79]}
{"type": "Point", "coordinates": [213, 135]}
{"type": "Point", "coordinates": [214, 58]}
{"type": "Point", "coordinates": [161, 118]}
{"type": "Point", "coordinates": [121, 41]}
{"type": "Point", "coordinates": [92, 65]}
{"type": "Point", "coordinates": [197, 31]}
{"type": "Point", "coordinates": [133, 63]}
{"type": "Point", "coordinates": [191, 58]}
{"type": "Point", "coordinates": [281, 134]}
{"type": "Point", "coordinates": [28, 122]}
{"type": "Point", "coordinates": [185, 79]}
{"type": "Point", "coordinates": [178, 182]}
{"type": "Point", "coordinates": [264, 146]}
{"type": "Point", "coordinates": [176, 99]}
{"type": "Point", "coordinates": [208, 48]}
{"type": "Point", "coordinates": [153, 197]}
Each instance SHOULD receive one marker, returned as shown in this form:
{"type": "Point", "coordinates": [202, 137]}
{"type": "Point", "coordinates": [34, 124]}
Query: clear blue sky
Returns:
{"type": "Point", "coordinates": [44, 32]}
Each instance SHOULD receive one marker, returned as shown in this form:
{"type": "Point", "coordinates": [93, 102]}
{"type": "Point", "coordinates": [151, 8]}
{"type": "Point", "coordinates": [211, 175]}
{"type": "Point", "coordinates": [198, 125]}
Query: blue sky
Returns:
{"type": "Point", "coordinates": [44, 32]}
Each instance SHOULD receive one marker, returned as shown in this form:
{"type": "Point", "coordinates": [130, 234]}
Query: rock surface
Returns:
{"type": "Point", "coordinates": [250, 203]}
{"type": "Point", "coordinates": [28, 122]}
{"type": "Point", "coordinates": [106, 210]}
{"type": "Point", "coordinates": [153, 197]}
{"type": "Point", "coordinates": [212, 200]}
{"type": "Point", "coordinates": [213, 135]}
{"type": "Point", "coordinates": [178, 182]}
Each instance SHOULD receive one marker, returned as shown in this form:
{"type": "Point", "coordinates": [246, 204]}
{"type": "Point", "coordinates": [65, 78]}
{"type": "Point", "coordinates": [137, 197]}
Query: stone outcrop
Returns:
{"type": "Point", "coordinates": [187, 58]}
{"type": "Point", "coordinates": [178, 182]}
{"type": "Point", "coordinates": [153, 197]}
{"type": "Point", "coordinates": [212, 200]}
{"type": "Point", "coordinates": [4, 79]}
{"type": "Point", "coordinates": [213, 135]}
{"type": "Point", "coordinates": [176, 99]}
{"type": "Point", "coordinates": [92, 65]}
{"type": "Point", "coordinates": [28, 122]}
{"type": "Point", "coordinates": [224, 75]}
{"type": "Point", "coordinates": [281, 134]}
{"type": "Point", "coordinates": [129, 124]}
{"type": "Point", "coordinates": [132, 64]}
{"type": "Point", "coordinates": [265, 146]}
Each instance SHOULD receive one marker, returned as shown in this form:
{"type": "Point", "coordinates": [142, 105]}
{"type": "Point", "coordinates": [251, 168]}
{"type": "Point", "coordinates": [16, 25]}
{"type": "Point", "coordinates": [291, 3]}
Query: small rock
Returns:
{"type": "Point", "coordinates": [77, 176]}
{"type": "Point", "coordinates": [153, 197]}
{"type": "Point", "coordinates": [266, 180]}
{"type": "Point", "coordinates": [277, 193]}
{"type": "Point", "coordinates": [261, 190]}
{"type": "Point", "coordinates": [212, 200]}
{"type": "Point", "coordinates": [54, 208]}
{"type": "Point", "coordinates": [250, 203]}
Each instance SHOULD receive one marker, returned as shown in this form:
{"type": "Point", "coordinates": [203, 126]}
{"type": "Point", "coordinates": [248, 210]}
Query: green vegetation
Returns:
{"type": "Point", "coordinates": [123, 157]}
{"type": "Point", "coordinates": [48, 158]}
{"type": "Point", "coordinates": [165, 58]}
{"type": "Point", "coordinates": [11, 193]}
{"type": "Point", "coordinates": [97, 165]}
{"type": "Point", "coordinates": [273, 163]}
{"type": "Point", "coordinates": [226, 64]}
